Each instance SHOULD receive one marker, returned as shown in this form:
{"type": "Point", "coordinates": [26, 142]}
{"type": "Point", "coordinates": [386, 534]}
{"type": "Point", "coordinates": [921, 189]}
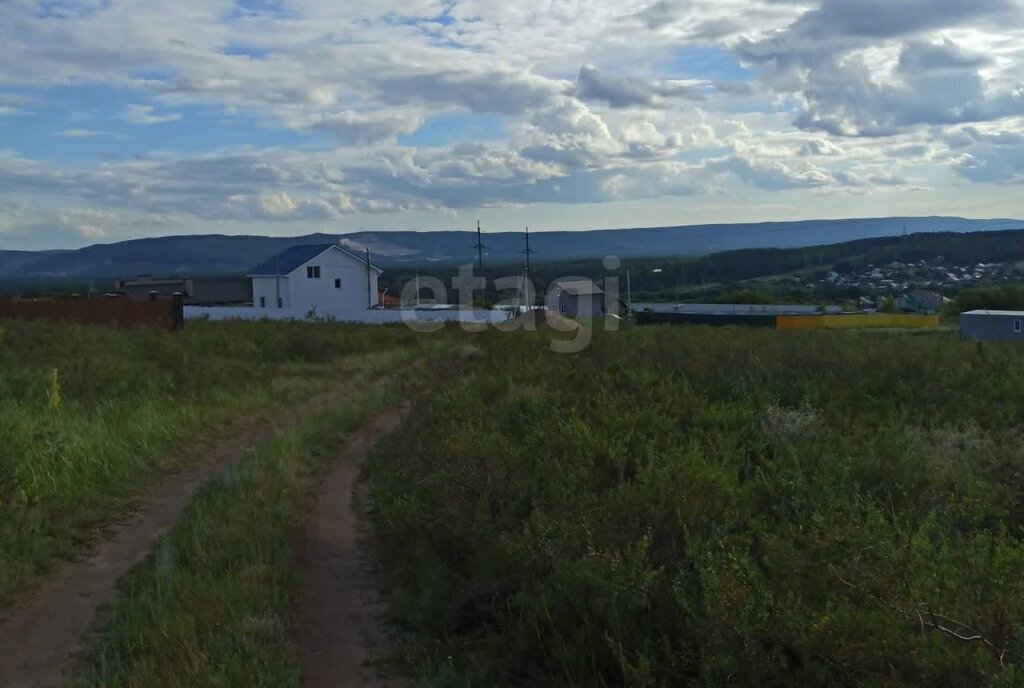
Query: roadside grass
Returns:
{"type": "Point", "coordinates": [213, 604]}
{"type": "Point", "coordinates": [90, 416]}
{"type": "Point", "coordinates": [709, 507]}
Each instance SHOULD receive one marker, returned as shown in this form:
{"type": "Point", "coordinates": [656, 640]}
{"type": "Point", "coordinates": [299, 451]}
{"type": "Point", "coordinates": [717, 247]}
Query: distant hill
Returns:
{"type": "Point", "coordinates": [233, 255]}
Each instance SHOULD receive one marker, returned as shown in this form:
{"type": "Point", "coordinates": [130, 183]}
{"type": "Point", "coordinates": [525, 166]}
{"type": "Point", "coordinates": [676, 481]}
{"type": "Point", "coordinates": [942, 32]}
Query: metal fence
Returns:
{"type": "Point", "coordinates": [114, 311]}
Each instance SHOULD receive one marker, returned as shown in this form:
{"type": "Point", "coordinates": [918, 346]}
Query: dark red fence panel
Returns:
{"type": "Point", "coordinates": [115, 311]}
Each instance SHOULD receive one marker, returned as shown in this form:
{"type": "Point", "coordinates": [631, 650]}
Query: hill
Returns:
{"type": "Point", "coordinates": [233, 255]}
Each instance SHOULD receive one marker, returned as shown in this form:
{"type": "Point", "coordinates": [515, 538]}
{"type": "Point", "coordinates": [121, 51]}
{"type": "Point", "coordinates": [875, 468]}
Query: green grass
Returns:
{"type": "Point", "coordinates": [213, 604]}
{"type": "Point", "coordinates": [698, 507]}
{"type": "Point", "coordinates": [89, 416]}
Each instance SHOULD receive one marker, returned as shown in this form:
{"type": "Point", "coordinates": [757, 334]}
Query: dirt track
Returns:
{"type": "Point", "coordinates": [40, 636]}
{"type": "Point", "coordinates": [339, 611]}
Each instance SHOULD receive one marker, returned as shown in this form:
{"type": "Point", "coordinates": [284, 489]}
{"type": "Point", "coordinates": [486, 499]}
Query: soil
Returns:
{"type": "Point", "coordinates": [341, 614]}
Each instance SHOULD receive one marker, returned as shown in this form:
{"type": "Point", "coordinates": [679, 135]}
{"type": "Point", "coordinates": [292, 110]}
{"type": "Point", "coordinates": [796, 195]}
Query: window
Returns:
{"type": "Point", "coordinates": [1017, 326]}
{"type": "Point", "coordinates": [337, 283]}
{"type": "Point", "coordinates": [312, 272]}
{"type": "Point", "coordinates": [280, 302]}
{"type": "Point", "coordinates": [263, 302]}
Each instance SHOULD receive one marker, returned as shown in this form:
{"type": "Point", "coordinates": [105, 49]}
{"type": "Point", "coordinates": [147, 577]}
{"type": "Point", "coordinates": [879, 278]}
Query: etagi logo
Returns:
{"type": "Point", "coordinates": [572, 304]}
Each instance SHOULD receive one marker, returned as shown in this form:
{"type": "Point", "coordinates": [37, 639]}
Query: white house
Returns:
{"type": "Point", "coordinates": [319, 280]}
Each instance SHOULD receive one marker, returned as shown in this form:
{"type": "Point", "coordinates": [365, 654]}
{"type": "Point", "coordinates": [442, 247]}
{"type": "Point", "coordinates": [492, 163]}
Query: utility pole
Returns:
{"type": "Point", "coordinates": [277, 280]}
{"type": "Point", "coordinates": [629, 296]}
{"type": "Point", "coordinates": [369, 281]}
{"type": "Point", "coordinates": [528, 251]}
{"type": "Point", "coordinates": [479, 248]}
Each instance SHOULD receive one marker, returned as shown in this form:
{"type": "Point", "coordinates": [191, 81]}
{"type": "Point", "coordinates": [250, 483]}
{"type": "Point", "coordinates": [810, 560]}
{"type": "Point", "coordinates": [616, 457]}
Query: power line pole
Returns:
{"type": "Point", "coordinates": [479, 248]}
{"type": "Point", "coordinates": [528, 251]}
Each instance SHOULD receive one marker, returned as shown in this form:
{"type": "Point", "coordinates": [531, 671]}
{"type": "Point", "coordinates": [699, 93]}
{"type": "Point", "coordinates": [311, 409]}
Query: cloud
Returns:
{"type": "Point", "coordinates": [361, 128]}
{"type": "Point", "coordinates": [994, 156]}
{"type": "Point", "coordinates": [820, 146]}
{"type": "Point", "coordinates": [598, 101]}
{"type": "Point", "coordinates": [80, 133]}
{"type": "Point", "coordinates": [873, 68]}
{"type": "Point", "coordinates": [771, 175]}
{"type": "Point", "coordinates": [144, 114]}
{"type": "Point", "coordinates": [622, 92]}
{"type": "Point", "coordinates": [875, 19]}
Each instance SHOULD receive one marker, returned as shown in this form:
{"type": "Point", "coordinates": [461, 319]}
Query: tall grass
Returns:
{"type": "Point", "coordinates": [89, 415]}
{"type": "Point", "coordinates": [706, 507]}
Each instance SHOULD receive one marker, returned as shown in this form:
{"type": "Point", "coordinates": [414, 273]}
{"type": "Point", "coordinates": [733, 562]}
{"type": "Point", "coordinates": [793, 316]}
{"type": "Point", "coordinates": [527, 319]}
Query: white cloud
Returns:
{"type": "Point", "coordinates": [145, 114]}
{"type": "Point", "coordinates": [361, 128]}
{"type": "Point", "coordinates": [599, 101]}
{"type": "Point", "coordinates": [80, 133]}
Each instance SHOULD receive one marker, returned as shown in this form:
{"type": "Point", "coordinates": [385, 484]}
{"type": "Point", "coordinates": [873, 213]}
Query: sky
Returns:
{"type": "Point", "coordinates": [122, 119]}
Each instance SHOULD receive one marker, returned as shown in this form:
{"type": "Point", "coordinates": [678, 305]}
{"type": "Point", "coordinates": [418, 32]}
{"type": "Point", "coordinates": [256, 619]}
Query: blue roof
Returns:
{"type": "Point", "coordinates": [289, 259]}
{"type": "Point", "coordinates": [294, 256]}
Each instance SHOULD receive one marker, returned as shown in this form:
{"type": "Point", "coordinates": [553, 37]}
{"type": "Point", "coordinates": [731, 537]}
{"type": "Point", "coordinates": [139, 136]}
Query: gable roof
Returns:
{"type": "Point", "coordinates": [579, 287]}
{"type": "Point", "coordinates": [294, 256]}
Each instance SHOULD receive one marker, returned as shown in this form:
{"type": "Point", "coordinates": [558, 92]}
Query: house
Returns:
{"type": "Point", "coordinates": [577, 298]}
{"type": "Point", "coordinates": [992, 326]}
{"type": "Point", "coordinates": [921, 302]}
{"type": "Point", "coordinates": [316, 280]}
{"type": "Point", "coordinates": [195, 292]}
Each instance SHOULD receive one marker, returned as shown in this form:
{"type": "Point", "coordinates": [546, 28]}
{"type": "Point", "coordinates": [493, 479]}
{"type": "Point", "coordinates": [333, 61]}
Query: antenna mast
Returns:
{"type": "Point", "coordinates": [528, 251]}
{"type": "Point", "coordinates": [479, 248]}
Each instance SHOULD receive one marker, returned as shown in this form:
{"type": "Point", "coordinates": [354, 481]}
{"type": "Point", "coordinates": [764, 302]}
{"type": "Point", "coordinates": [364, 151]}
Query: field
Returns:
{"type": "Point", "coordinates": [670, 507]}
{"type": "Point", "coordinates": [91, 416]}
{"type": "Point", "coordinates": [712, 507]}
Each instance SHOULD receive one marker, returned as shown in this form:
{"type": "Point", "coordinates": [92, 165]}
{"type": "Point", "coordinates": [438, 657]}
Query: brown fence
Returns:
{"type": "Point", "coordinates": [116, 311]}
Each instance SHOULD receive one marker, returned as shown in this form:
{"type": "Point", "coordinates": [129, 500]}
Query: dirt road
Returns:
{"type": "Point", "coordinates": [40, 636]}
{"type": "Point", "coordinates": [339, 611]}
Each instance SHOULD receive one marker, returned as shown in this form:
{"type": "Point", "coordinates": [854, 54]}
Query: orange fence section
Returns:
{"type": "Point", "coordinates": [854, 322]}
{"type": "Point", "coordinates": [118, 312]}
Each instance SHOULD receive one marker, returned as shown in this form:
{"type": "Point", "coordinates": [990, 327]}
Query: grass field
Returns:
{"type": "Point", "coordinates": [705, 507]}
{"type": "Point", "coordinates": [90, 416]}
{"type": "Point", "coordinates": [670, 507]}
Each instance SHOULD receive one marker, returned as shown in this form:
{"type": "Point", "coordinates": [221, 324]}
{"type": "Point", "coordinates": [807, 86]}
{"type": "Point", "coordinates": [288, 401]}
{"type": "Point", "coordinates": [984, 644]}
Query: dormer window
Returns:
{"type": "Point", "coordinates": [312, 272]}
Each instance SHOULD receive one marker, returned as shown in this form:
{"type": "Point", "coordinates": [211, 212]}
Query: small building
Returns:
{"type": "Point", "coordinates": [318, 280]}
{"type": "Point", "coordinates": [195, 292]}
{"type": "Point", "coordinates": [387, 300]}
{"type": "Point", "coordinates": [992, 326]}
{"type": "Point", "coordinates": [921, 301]}
{"type": "Point", "coordinates": [577, 298]}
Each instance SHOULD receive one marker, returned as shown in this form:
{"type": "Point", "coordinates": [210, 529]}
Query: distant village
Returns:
{"type": "Point", "coordinates": [918, 287]}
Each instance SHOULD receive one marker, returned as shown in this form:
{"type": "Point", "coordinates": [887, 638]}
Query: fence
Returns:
{"type": "Point", "coordinates": [116, 311]}
{"type": "Point", "coordinates": [715, 320]}
{"type": "Point", "coordinates": [855, 321]}
{"type": "Point", "coordinates": [367, 317]}
{"type": "Point", "coordinates": [791, 322]}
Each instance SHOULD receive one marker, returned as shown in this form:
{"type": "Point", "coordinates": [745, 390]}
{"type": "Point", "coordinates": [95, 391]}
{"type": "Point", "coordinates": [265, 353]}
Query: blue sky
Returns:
{"type": "Point", "coordinates": [119, 119]}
